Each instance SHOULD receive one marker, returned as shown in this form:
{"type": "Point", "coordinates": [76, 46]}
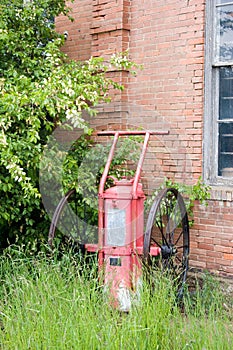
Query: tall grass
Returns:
{"type": "Point", "coordinates": [49, 303]}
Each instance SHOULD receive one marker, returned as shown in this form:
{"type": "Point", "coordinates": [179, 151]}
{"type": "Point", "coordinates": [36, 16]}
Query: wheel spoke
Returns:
{"type": "Point", "coordinates": [180, 235]}
{"type": "Point", "coordinates": [170, 227]}
{"type": "Point", "coordinates": [177, 258]}
{"type": "Point", "coordinates": [156, 242]}
{"type": "Point", "coordinates": [164, 240]}
{"type": "Point", "coordinates": [181, 247]}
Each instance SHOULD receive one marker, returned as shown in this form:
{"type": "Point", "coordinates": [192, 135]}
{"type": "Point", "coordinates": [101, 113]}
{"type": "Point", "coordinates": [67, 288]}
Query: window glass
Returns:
{"type": "Point", "coordinates": [226, 93]}
{"type": "Point", "coordinates": [225, 151]}
{"type": "Point", "coordinates": [225, 159]}
{"type": "Point", "coordinates": [225, 33]}
{"type": "Point", "coordinates": [223, 2]}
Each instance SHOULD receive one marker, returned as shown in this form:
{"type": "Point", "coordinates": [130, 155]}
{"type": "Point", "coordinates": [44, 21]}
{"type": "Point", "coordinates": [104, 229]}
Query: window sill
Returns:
{"type": "Point", "coordinates": [221, 193]}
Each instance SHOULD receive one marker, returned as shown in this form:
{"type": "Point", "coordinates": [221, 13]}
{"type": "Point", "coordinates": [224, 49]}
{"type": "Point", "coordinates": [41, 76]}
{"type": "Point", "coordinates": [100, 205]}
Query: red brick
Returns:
{"type": "Point", "coordinates": [228, 256]}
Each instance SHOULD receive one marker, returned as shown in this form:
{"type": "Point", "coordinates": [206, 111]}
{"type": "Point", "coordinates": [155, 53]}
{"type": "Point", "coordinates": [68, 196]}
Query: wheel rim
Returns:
{"type": "Point", "coordinates": [66, 221]}
{"type": "Point", "coordinates": [168, 228]}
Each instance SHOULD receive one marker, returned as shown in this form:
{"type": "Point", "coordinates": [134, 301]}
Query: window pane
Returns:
{"type": "Point", "coordinates": [223, 1]}
{"type": "Point", "coordinates": [225, 33]}
{"type": "Point", "coordinates": [226, 93]}
{"type": "Point", "coordinates": [225, 157]}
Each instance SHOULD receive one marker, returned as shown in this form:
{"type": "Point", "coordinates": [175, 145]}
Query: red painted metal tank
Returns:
{"type": "Point", "coordinates": [123, 222]}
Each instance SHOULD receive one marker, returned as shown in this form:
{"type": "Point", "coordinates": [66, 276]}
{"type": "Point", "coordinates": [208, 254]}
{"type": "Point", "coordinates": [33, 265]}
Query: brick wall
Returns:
{"type": "Point", "coordinates": [212, 237]}
{"type": "Point", "coordinates": [167, 37]}
{"type": "Point", "coordinates": [79, 40]}
{"type": "Point", "coordinates": [110, 26]}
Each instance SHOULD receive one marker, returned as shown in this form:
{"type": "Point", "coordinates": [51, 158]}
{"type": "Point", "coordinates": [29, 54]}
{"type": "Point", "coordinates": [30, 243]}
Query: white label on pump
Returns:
{"type": "Point", "coordinates": [124, 298]}
{"type": "Point", "coordinates": [116, 227]}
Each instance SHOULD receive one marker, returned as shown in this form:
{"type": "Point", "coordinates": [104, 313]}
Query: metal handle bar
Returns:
{"type": "Point", "coordinates": [139, 132]}
{"type": "Point", "coordinates": [141, 159]}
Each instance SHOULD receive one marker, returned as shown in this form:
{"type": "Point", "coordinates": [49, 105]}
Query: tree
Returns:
{"type": "Point", "coordinates": [40, 88]}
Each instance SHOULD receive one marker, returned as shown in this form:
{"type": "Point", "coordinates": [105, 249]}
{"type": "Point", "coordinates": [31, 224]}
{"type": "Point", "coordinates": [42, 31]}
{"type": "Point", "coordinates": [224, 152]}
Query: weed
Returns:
{"type": "Point", "coordinates": [51, 303]}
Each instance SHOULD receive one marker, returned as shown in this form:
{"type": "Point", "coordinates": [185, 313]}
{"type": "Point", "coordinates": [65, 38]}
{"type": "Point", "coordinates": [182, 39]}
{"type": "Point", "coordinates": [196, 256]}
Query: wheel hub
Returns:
{"type": "Point", "coordinates": [168, 251]}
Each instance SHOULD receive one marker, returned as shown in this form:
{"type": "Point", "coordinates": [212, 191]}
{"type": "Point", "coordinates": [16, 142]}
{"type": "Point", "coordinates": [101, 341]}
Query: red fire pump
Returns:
{"type": "Point", "coordinates": [122, 244]}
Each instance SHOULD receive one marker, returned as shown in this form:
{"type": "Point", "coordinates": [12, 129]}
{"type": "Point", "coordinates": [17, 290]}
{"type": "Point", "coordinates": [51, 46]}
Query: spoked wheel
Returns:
{"type": "Point", "coordinates": [66, 222]}
{"type": "Point", "coordinates": [168, 228]}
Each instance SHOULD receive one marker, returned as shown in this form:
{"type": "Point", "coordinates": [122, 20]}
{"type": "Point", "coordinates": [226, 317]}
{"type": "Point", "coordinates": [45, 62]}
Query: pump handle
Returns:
{"type": "Point", "coordinates": [141, 159]}
{"type": "Point", "coordinates": [133, 132]}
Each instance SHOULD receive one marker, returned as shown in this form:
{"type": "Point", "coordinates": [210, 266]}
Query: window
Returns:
{"type": "Point", "coordinates": [218, 135]}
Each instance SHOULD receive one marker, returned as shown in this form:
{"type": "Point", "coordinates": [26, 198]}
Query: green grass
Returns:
{"type": "Point", "coordinates": [49, 303]}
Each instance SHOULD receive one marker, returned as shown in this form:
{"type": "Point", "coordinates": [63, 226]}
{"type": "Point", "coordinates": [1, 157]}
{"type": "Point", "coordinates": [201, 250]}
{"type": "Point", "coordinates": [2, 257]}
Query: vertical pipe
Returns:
{"type": "Point", "coordinates": [133, 242]}
{"type": "Point", "coordinates": [100, 232]}
{"type": "Point", "coordinates": [140, 163]}
{"type": "Point", "coordinates": [108, 163]}
{"type": "Point", "coordinates": [135, 210]}
{"type": "Point", "coordinates": [101, 202]}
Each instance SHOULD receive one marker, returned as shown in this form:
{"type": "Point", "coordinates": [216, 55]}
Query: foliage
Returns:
{"type": "Point", "coordinates": [190, 193]}
{"type": "Point", "coordinates": [61, 304]}
{"type": "Point", "coordinates": [208, 298]}
{"type": "Point", "coordinates": [40, 88]}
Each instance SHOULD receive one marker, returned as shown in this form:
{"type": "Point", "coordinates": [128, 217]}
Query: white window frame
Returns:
{"type": "Point", "coordinates": [211, 128]}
